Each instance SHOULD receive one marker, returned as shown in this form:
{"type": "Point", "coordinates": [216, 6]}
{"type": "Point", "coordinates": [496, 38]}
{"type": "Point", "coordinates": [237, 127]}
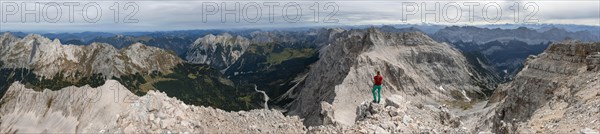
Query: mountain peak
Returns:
{"type": "Point", "coordinates": [219, 51]}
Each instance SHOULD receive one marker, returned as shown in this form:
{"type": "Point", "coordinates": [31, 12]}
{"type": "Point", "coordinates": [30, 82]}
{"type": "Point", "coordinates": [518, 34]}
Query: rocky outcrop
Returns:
{"type": "Point", "coordinates": [218, 51]}
{"type": "Point", "coordinates": [49, 57]}
{"type": "Point", "coordinates": [593, 62]}
{"type": "Point", "coordinates": [556, 92]}
{"type": "Point", "coordinates": [111, 108]}
{"type": "Point", "coordinates": [412, 64]}
{"type": "Point", "coordinates": [397, 115]}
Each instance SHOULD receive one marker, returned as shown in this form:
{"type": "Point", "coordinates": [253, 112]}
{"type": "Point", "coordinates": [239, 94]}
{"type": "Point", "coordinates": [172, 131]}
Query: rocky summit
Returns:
{"type": "Point", "coordinates": [396, 115]}
{"type": "Point", "coordinates": [413, 65]}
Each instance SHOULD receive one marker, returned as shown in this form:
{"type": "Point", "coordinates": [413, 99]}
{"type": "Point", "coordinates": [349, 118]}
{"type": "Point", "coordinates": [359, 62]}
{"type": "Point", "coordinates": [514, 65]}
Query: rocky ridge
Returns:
{"type": "Point", "coordinates": [111, 108]}
{"type": "Point", "coordinates": [415, 67]}
{"type": "Point", "coordinates": [48, 58]}
{"type": "Point", "coordinates": [556, 92]}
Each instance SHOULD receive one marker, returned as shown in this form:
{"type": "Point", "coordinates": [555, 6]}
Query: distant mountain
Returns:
{"type": "Point", "coordinates": [176, 41]}
{"type": "Point", "coordinates": [423, 27]}
{"type": "Point", "coordinates": [83, 36]}
{"type": "Point", "coordinates": [426, 28]}
{"type": "Point", "coordinates": [506, 49]}
{"type": "Point", "coordinates": [50, 57]}
{"type": "Point", "coordinates": [219, 51]}
{"type": "Point", "coordinates": [545, 27]}
{"type": "Point", "coordinates": [177, 44]}
{"type": "Point", "coordinates": [392, 29]}
{"type": "Point", "coordinates": [505, 58]}
{"type": "Point", "coordinates": [530, 36]}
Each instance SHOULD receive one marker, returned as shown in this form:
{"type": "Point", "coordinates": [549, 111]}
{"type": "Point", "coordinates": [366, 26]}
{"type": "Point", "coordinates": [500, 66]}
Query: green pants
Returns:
{"type": "Point", "coordinates": [377, 97]}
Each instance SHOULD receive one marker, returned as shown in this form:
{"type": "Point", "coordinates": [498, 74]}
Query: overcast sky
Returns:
{"type": "Point", "coordinates": [157, 15]}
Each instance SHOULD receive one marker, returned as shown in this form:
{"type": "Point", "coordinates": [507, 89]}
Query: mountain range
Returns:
{"type": "Point", "coordinates": [43, 63]}
{"type": "Point", "coordinates": [454, 80]}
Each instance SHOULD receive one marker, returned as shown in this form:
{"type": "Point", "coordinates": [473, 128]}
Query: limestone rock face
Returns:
{"type": "Point", "coordinates": [219, 51]}
{"type": "Point", "coordinates": [556, 92]}
{"type": "Point", "coordinates": [49, 57]}
{"type": "Point", "coordinates": [412, 64]}
{"type": "Point", "coordinates": [111, 108]}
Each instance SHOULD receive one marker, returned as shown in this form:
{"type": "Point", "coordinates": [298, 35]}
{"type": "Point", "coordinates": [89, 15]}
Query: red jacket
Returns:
{"type": "Point", "coordinates": [378, 80]}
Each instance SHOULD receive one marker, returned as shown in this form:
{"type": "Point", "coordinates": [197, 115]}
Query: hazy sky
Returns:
{"type": "Point", "coordinates": [153, 15]}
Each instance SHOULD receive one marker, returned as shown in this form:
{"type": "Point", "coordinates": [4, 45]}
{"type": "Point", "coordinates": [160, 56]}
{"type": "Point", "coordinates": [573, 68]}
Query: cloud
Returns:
{"type": "Point", "coordinates": [180, 15]}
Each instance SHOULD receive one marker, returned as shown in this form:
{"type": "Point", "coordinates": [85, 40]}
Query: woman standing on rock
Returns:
{"type": "Point", "coordinates": [378, 80]}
